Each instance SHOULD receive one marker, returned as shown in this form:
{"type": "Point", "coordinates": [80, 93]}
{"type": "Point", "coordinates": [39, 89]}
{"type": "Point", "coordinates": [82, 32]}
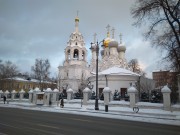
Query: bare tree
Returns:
{"type": "Point", "coordinates": [134, 65]}
{"type": "Point", "coordinates": [7, 71]}
{"type": "Point", "coordinates": [163, 19]}
{"type": "Point", "coordinates": [41, 71]}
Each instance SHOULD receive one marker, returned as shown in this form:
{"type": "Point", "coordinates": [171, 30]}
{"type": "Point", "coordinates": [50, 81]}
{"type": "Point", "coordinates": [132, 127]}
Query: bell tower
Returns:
{"type": "Point", "coordinates": [74, 70]}
{"type": "Point", "coordinates": [75, 52]}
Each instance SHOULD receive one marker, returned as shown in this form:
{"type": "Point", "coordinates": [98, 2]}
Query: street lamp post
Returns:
{"type": "Point", "coordinates": [97, 54]}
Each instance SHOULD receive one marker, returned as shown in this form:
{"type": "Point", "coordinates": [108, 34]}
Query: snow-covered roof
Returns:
{"type": "Point", "coordinates": [25, 80]}
{"type": "Point", "coordinates": [22, 91]}
{"type": "Point", "coordinates": [118, 71]}
{"type": "Point", "coordinates": [36, 89]}
{"type": "Point", "coordinates": [132, 89]}
{"type": "Point", "coordinates": [106, 89]}
{"type": "Point", "coordinates": [7, 92]}
{"type": "Point", "coordinates": [48, 90]}
{"type": "Point", "coordinates": [14, 91]}
{"type": "Point", "coordinates": [31, 91]}
{"type": "Point", "coordinates": [86, 90]}
{"type": "Point", "coordinates": [55, 90]}
{"type": "Point", "coordinates": [40, 93]}
{"type": "Point", "coordinates": [165, 89]}
{"type": "Point", "coordinates": [69, 90]}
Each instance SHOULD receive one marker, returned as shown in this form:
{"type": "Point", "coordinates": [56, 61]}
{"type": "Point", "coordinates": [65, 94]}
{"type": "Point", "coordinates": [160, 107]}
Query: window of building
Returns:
{"type": "Point", "coordinates": [76, 54]}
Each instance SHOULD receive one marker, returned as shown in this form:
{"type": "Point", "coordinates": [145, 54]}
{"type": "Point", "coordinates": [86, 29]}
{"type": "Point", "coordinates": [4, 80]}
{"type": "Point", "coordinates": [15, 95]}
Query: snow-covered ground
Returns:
{"type": "Point", "coordinates": [148, 112]}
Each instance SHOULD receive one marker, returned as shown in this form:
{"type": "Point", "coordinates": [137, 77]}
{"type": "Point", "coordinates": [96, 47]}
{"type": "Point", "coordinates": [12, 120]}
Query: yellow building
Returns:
{"type": "Point", "coordinates": [18, 83]}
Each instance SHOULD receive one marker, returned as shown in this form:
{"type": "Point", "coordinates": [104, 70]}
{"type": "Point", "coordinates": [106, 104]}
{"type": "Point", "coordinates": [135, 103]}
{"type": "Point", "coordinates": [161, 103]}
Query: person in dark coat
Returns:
{"type": "Point", "coordinates": [4, 99]}
{"type": "Point", "coordinates": [62, 103]}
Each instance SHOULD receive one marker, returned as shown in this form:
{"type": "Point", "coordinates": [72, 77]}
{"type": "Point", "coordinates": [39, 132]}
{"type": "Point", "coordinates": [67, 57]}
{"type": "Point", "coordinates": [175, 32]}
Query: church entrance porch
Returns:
{"type": "Point", "coordinates": [123, 93]}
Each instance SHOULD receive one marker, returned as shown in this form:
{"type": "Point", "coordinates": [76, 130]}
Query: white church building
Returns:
{"type": "Point", "coordinates": [113, 70]}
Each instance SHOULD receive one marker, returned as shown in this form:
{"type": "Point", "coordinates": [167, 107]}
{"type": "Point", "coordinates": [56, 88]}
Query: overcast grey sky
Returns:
{"type": "Point", "coordinates": [31, 29]}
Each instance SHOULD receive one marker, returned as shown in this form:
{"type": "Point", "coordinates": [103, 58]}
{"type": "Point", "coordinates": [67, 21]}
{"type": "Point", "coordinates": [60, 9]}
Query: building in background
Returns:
{"type": "Point", "coordinates": [18, 83]}
{"type": "Point", "coordinates": [164, 77]}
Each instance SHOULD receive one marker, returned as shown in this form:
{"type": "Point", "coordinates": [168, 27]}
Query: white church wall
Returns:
{"type": "Point", "coordinates": [114, 82]}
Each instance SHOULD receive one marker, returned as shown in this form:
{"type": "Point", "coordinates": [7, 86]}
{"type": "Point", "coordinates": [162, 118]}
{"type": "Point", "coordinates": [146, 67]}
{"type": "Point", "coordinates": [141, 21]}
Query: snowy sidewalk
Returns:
{"type": "Point", "coordinates": [116, 112]}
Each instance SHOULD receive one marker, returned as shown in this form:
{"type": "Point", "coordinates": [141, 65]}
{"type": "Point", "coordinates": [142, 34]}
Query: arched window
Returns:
{"type": "Point", "coordinates": [83, 55]}
{"type": "Point", "coordinates": [76, 43]}
{"type": "Point", "coordinates": [76, 54]}
{"type": "Point", "coordinates": [69, 54]}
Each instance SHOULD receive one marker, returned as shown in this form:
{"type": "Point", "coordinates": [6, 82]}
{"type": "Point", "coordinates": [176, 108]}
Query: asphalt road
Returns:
{"type": "Point", "coordinates": [27, 122]}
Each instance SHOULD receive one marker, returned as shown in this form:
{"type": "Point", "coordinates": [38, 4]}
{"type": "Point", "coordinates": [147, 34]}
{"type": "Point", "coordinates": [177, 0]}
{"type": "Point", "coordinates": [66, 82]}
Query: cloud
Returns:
{"type": "Point", "coordinates": [147, 56]}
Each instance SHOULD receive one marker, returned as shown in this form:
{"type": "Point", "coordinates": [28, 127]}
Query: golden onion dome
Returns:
{"type": "Point", "coordinates": [77, 19]}
{"type": "Point", "coordinates": [106, 42]}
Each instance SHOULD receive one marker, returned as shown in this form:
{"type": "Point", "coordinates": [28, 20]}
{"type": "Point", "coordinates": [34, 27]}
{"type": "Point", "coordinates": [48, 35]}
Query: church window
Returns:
{"type": "Point", "coordinates": [76, 43]}
{"type": "Point", "coordinates": [69, 55]}
{"type": "Point", "coordinates": [83, 55]}
{"type": "Point", "coordinates": [76, 54]}
{"type": "Point", "coordinates": [76, 36]}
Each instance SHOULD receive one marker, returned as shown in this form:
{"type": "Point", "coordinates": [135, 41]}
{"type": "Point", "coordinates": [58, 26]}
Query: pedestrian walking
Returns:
{"type": "Point", "coordinates": [4, 99]}
{"type": "Point", "coordinates": [62, 103]}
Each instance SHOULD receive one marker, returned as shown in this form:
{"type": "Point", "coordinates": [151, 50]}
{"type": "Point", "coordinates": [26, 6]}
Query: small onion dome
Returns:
{"type": "Point", "coordinates": [106, 42]}
{"type": "Point", "coordinates": [102, 52]}
{"type": "Point", "coordinates": [113, 44]}
{"type": "Point", "coordinates": [122, 48]}
{"type": "Point", "coordinates": [77, 19]}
